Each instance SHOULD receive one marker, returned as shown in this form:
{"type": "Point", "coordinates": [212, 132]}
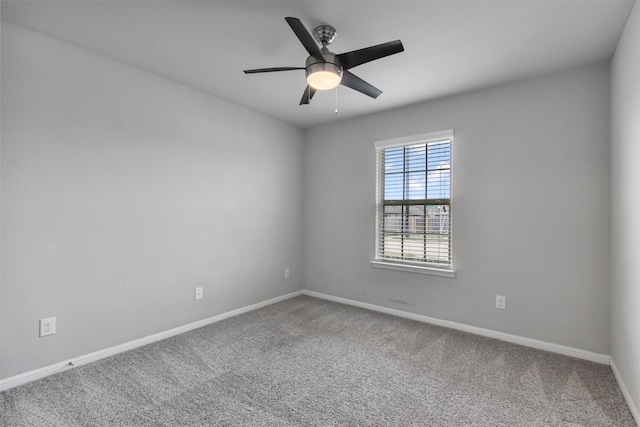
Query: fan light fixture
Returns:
{"type": "Point", "coordinates": [324, 75]}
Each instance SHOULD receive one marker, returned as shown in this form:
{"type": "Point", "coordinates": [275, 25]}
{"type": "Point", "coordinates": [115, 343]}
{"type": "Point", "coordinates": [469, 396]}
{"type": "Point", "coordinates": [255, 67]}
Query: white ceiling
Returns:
{"type": "Point", "coordinates": [450, 46]}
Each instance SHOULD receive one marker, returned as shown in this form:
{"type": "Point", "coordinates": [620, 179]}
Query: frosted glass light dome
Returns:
{"type": "Point", "coordinates": [324, 75]}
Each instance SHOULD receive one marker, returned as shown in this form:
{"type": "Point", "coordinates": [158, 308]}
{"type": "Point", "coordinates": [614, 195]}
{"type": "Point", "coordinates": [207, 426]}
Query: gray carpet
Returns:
{"type": "Point", "coordinates": [310, 362]}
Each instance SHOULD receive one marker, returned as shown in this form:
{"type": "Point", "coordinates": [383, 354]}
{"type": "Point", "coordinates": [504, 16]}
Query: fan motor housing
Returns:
{"type": "Point", "coordinates": [330, 64]}
{"type": "Point", "coordinates": [329, 58]}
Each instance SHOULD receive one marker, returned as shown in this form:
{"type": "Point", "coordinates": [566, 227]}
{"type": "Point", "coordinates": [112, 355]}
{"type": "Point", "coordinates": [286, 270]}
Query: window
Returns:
{"type": "Point", "coordinates": [413, 227]}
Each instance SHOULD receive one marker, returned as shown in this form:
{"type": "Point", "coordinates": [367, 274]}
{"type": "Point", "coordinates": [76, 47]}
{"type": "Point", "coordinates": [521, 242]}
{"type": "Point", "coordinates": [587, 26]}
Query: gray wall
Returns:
{"type": "Point", "coordinates": [121, 192]}
{"type": "Point", "coordinates": [530, 209]}
{"type": "Point", "coordinates": [0, 190]}
{"type": "Point", "coordinates": [625, 202]}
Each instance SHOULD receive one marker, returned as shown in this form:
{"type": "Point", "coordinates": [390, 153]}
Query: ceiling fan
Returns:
{"type": "Point", "coordinates": [325, 69]}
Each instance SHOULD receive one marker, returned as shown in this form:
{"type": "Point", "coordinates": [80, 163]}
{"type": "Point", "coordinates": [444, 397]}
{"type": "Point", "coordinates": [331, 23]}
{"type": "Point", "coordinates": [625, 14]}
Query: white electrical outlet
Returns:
{"type": "Point", "coordinates": [47, 326]}
{"type": "Point", "coordinates": [501, 302]}
{"type": "Point", "coordinates": [286, 273]}
{"type": "Point", "coordinates": [199, 293]}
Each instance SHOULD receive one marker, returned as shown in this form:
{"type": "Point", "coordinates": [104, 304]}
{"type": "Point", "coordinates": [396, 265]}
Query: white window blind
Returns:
{"type": "Point", "coordinates": [414, 200]}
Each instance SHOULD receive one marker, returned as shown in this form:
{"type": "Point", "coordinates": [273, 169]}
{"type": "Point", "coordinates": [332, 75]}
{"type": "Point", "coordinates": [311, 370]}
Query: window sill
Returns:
{"type": "Point", "coordinates": [413, 268]}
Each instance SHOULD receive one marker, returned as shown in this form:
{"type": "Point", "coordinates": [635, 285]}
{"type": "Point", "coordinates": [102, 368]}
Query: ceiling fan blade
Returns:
{"type": "Point", "coordinates": [305, 37]}
{"type": "Point", "coordinates": [371, 53]}
{"type": "Point", "coordinates": [356, 83]}
{"type": "Point", "coordinates": [307, 95]}
{"type": "Point", "coordinates": [269, 70]}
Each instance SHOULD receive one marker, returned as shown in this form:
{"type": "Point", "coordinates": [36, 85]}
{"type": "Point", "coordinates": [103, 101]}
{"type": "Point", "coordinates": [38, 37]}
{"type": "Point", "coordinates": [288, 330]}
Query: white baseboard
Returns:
{"type": "Point", "coordinates": [527, 342]}
{"type": "Point", "coordinates": [625, 392]}
{"type": "Point", "coordinates": [37, 374]}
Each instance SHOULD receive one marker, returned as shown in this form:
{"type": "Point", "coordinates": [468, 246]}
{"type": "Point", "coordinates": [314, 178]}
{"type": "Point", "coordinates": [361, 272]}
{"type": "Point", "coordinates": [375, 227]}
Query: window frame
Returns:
{"type": "Point", "coordinates": [445, 270]}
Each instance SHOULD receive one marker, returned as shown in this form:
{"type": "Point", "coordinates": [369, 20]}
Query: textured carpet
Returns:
{"type": "Point", "coordinates": [310, 362]}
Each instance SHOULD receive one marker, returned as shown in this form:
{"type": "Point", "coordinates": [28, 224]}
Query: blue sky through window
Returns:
{"type": "Point", "coordinates": [418, 172]}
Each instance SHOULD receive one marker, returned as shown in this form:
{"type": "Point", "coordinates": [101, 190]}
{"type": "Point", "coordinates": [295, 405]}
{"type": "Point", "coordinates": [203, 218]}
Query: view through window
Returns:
{"type": "Point", "coordinates": [414, 200]}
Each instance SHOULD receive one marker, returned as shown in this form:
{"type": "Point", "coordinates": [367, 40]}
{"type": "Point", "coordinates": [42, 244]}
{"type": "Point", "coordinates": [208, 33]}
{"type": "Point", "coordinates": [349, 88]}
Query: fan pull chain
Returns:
{"type": "Point", "coordinates": [336, 112]}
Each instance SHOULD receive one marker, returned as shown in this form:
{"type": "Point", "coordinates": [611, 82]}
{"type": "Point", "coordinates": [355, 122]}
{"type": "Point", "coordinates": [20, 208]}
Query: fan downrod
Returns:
{"type": "Point", "coordinates": [324, 34]}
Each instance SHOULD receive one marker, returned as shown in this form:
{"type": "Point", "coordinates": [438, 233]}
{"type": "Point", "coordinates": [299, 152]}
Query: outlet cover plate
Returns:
{"type": "Point", "coordinates": [501, 302]}
{"type": "Point", "coordinates": [199, 293]}
{"type": "Point", "coordinates": [47, 326]}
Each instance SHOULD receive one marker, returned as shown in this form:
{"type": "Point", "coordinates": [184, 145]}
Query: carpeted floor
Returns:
{"type": "Point", "coordinates": [310, 362]}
